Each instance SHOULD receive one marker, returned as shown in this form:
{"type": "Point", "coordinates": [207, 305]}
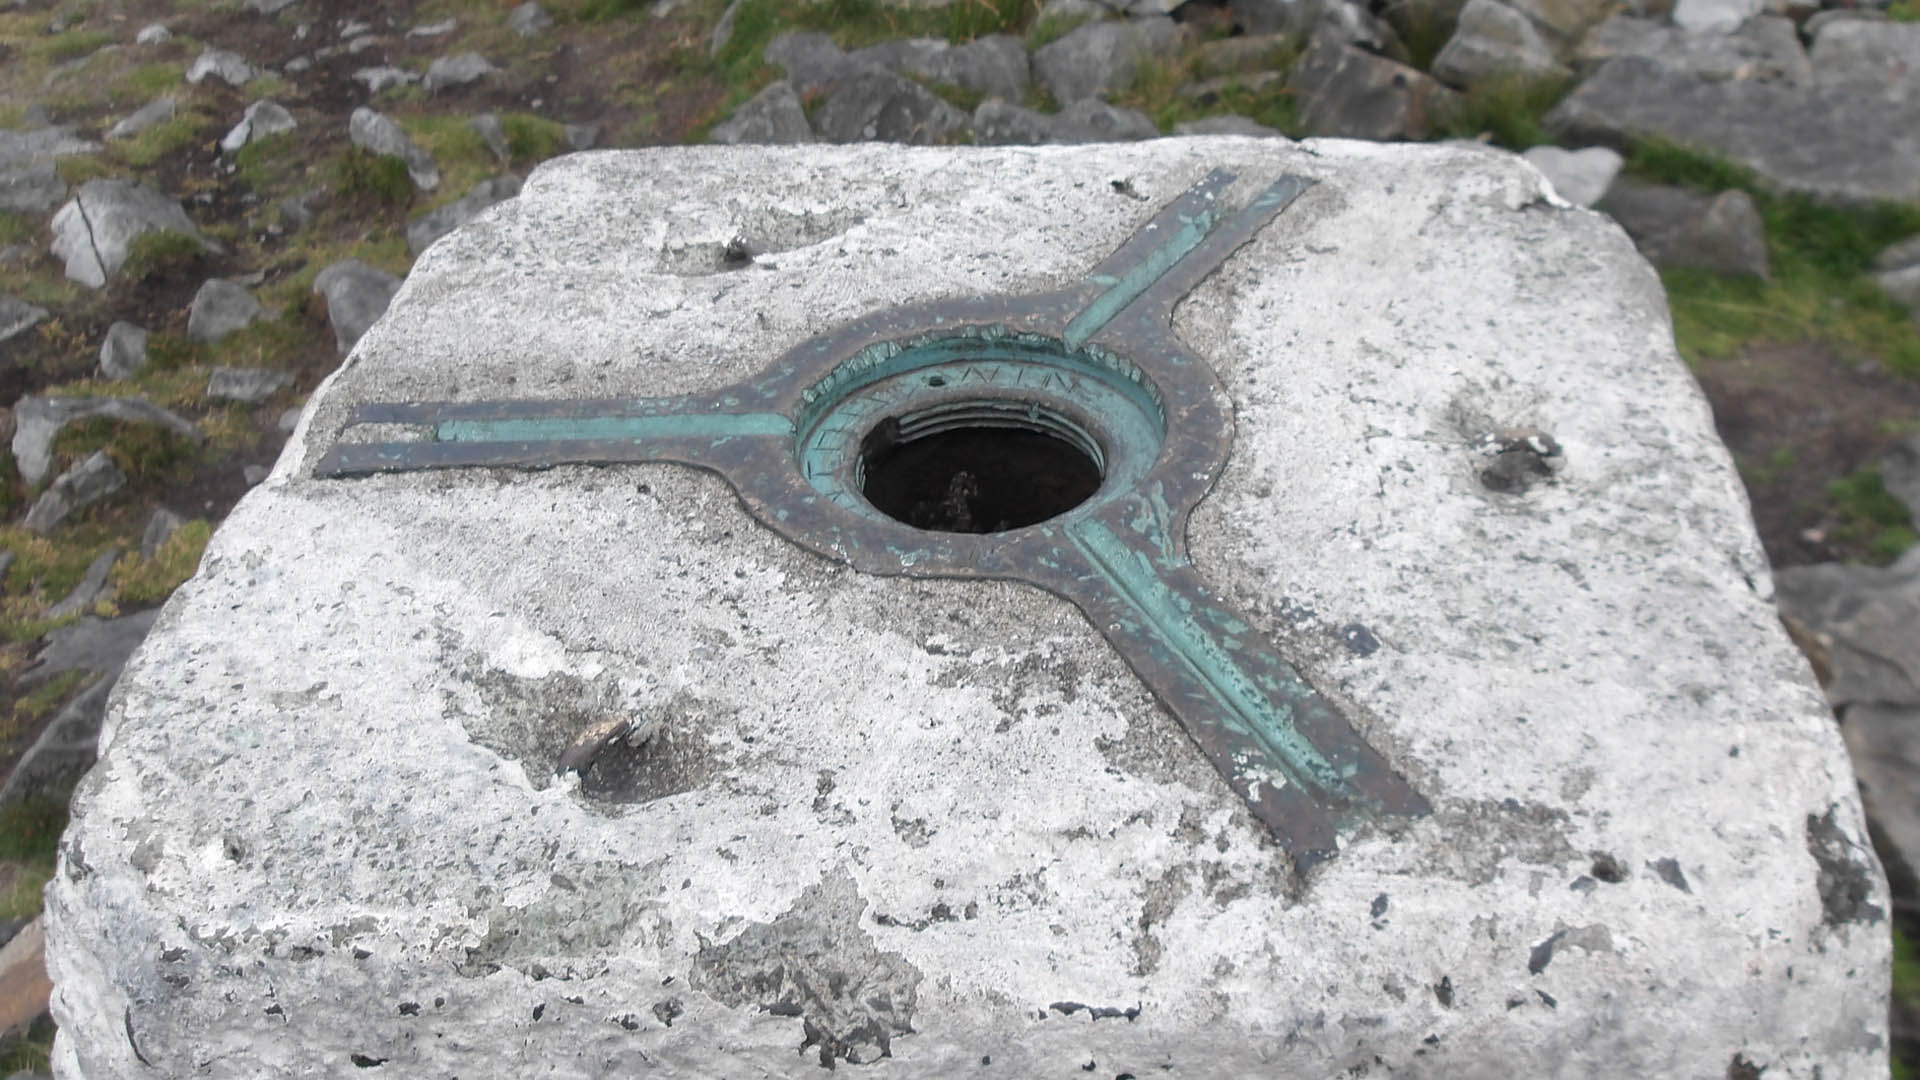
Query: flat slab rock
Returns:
{"type": "Point", "coordinates": [941, 820]}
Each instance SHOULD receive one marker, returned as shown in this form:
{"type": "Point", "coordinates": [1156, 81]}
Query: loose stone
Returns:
{"type": "Point", "coordinates": [249, 386]}
{"type": "Point", "coordinates": [76, 489]}
{"type": "Point", "coordinates": [124, 351]}
{"type": "Point", "coordinates": [220, 307]}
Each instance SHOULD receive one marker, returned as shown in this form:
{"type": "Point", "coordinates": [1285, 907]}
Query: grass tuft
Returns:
{"type": "Point", "coordinates": [359, 176]}
{"type": "Point", "coordinates": [159, 252]}
{"type": "Point", "coordinates": [143, 582]}
{"type": "Point", "coordinates": [1870, 514]}
{"type": "Point", "coordinates": [532, 139]}
{"type": "Point", "coordinates": [1506, 111]}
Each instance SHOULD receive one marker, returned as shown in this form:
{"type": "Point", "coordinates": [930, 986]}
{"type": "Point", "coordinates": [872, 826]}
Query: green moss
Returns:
{"type": "Point", "coordinates": [170, 136]}
{"type": "Point", "coordinates": [359, 176]}
{"type": "Point", "coordinates": [1869, 514]}
{"type": "Point", "coordinates": [77, 169]}
{"type": "Point", "coordinates": [1052, 28]}
{"type": "Point", "coordinates": [143, 582]}
{"type": "Point", "coordinates": [1819, 256]}
{"type": "Point", "coordinates": [1904, 11]}
{"type": "Point", "coordinates": [170, 352]}
{"type": "Point", "coordinates": [34, 1051]}
{"type": "Point", "coordinates": [150, 80]}
{"type": "Point", "coordinates": [531, 139]}
{"type": "Point", "coordinates": [15, 228]}
{"type": "Point", "coordinates": [145, 452]}
{"type": "Point", "coordinates": [265, 164]}
{"type": "Point", "coordinates": [42, 701]}
{"type": "Point", "coordinates": [73, 44]}
{"type": "Point", "coordinates": [1507, 111]}
{"type": "Point", "coordinates": [30, 830]}
{"type": "Point", "coordinates": [159, 251]}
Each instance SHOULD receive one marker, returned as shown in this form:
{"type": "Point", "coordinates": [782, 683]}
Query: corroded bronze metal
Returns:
{"type": "Point", "coordinates": [1095, 364]}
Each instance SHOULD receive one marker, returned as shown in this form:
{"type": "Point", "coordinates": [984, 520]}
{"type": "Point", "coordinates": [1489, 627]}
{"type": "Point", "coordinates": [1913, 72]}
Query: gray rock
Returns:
{"type": "Point", "coordinates": [1494, 41]}
{"type": "Point", "coordinates": [996, 123]}
{"type": "Point", "coordinates": [92, 582]}
{"type": "Point", "coordinates": [268, 7]}
{"type": "Point", "coordinates": [38, 420]}
{"type": "Point", "coordinates": [811, 60]}
{"type": "Point", "coordinates": [124, 351]}
{"type": "Point", "coordinates": [249, 386]}
{"type": "Point", "coordinates": [434, 29]}
{"type": "Point", "coordinates": [1564, 21]}
{"type": "Point", "coordinates": [1900, 474]}
{"type": "Point", "coordinates": [229, 67]}
{"type": "Point", "coordinates": [425, 229]}
{"type": "Point", "coordinates": [492, 132]}
{"type": "Point", "coordinates": [380, 134]}
{"type": "Point", "coordinates": [76, 489]}
{"type": "Point", "coordinates": [774, 116]}
{"type": "Point", "coordinates": [468, 624]}
{"type": "Point", "coordinates": [289, 420]}
{"type": "Point", "coordinates": [1714, 16]}
{"type": "Point", "coordinates": [1290, 17]}
{"type": "Point", "coordinates": [1864, 58]}
{"type": "Point", "coordinates": [723, 29]}
{"type": "Point", "coordinates": [294, 212]}
{"type": "Point", "coordinates": [1789, 137]}
{"type": "Point", "coordinates": [1884, 743]}
{"type": "Point", "coordinates": [582, 136]}
{"type": "Point", "coordinates": [254, 474]}
{"type": "Point", "coordinates": [262, 118]}
{"type": "Point", "coordinates": [1225, 125]}
{"type": "Point", "coordinates": [1580, 176]}
{"type": "Point", "coordinates": [220, 307]}
{"type": "Point", "coordinates": [528, 19]}
{"type": "Point", "coordinates": [31, 189]}
{"type": "Point", "coordinates": [1818, 23]}
{"type": "Point", "coordinates": [1765, 49]}
{"type": "Point", "coordinates": [1902, 284]}
{"type": "Point", "coordinates": [994, 66]}
{"type": "Point", "coordinates": [64, 750]}
{"type": "Point", "coordinates": [1101, 57]}
{"type": "Point", "coordinates": [879, 106]}
{"type": "Point", "coordinates": [449, 71]}
{"type": "Point", "coordinates": [153, 34]}
{"type": "Point", "coordinates": [357, 295]}
{"type": "Point", "coordinates": [160, 528]}
{"type": "Point", "coordinates": [94, 230]}
{"type": "Point", "coordinates": [29, 183]}
{"type": "Point", "coordinates": [1675, 227]}
{"type": "Point", "coordinates": [17, 316]}
{"type": "Point", "coordinates": [91, 644]}
{"type": "Point", "coordinates": [297, 65]}
{"type": "Point", "coordinates": [1865, 616]}
{"type": "Point", "coordinates": [1899, 255]}
{"type": "Point", "coordinates": [1091, 120]}
{"type": "Point", "coordinates": [157, 111]}
{"type": "Point", "coordinates": [353, 28]}
{"type": "Point", "coordinates": [376, 79]}
{"type": "Point", "coordinates": [1347, 92]}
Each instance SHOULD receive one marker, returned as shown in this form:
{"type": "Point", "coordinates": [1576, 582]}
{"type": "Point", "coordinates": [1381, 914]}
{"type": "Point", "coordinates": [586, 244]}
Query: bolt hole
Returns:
{"type": "Point", "coordinates": [979, 467]}
{"type": "Point", "coordinates": [936, 380]}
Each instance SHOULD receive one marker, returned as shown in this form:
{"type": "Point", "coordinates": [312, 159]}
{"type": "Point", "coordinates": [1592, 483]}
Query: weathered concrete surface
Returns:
{"type": "Point", "coordinates": [940, 819]}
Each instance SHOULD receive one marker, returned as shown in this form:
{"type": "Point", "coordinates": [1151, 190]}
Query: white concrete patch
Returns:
{"type": "Point", "coordinates": [941, 818]}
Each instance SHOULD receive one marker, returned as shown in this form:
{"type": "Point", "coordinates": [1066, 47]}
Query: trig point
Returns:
{"type": "Point", "coordinates": [1200, 608]}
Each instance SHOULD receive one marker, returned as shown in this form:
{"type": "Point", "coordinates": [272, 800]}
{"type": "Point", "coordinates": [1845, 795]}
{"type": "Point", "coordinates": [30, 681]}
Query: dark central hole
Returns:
{"type": "Point", "coordinates": [975, 479]}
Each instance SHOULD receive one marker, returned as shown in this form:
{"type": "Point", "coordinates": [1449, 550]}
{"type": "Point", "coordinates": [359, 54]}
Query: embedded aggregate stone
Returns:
{"type": "Point", "coordinates": [941, 820]}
